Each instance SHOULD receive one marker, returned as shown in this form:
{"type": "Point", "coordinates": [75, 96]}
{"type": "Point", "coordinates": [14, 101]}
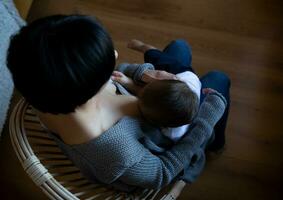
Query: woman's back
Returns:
{"type": "Point", "coordinates": [93, 118]}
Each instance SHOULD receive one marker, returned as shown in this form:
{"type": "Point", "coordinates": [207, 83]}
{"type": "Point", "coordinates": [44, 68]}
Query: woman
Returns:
{"type": "Point", "coordinates": [62, 66]}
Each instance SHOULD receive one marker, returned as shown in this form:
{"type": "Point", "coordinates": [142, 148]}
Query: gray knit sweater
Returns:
{"type": "Point", "coordinates": [122, 156]}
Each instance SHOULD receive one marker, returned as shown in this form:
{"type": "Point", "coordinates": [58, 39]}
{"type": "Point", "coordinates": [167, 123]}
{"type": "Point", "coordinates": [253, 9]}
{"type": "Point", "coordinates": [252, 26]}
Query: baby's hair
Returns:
{"type": "Point", "coordinates": [168, 103]}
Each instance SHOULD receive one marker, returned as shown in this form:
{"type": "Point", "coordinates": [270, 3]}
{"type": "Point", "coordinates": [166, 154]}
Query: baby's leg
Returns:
{"type": "Point", "coordinates": [138, 45]}
{"type": "Point", "coordinates": [151, 54]}
{"type": "Point", "coordinates": [181, 51]}
{"type": "Point", "coordinates": [175, 58]}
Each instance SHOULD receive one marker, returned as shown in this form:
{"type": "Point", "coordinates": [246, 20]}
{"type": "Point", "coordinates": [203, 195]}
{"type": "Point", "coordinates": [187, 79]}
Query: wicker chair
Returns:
{"type": "Point", "coordinates": [51, 170]}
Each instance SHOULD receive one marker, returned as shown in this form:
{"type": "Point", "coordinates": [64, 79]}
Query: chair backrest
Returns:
{"type": "Point", "coordinates": [54, 173]}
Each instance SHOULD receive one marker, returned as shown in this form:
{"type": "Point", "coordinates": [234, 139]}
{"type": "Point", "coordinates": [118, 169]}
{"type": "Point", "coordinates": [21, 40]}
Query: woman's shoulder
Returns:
{"type": "Point", "coordinates": [118, 145]}
{"type": "Point", "coordinates": [110, 154]}
{"type": "Point", "coordinates": [126, 131]}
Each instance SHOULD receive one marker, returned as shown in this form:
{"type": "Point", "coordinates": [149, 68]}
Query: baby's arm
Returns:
{"type": "Point", "coordinates": [135, 71]}
{"type": "Point", "coordinates": [127, 82]}
{"type": "Point", "coordinates": [144, 73]}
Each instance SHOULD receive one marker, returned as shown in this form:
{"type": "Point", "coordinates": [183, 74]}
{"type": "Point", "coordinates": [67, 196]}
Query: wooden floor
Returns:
{"type": "Point", "coordinates": [243, 39]}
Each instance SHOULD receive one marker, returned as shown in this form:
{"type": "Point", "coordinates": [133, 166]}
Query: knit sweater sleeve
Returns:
{"type": "Point", "coordinates": [156, 171]}
{"type": "Point", "coordinates": [135, 71]}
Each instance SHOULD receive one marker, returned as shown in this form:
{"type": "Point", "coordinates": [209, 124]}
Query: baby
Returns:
{"type": "Point", "coordinates": [170, 104]}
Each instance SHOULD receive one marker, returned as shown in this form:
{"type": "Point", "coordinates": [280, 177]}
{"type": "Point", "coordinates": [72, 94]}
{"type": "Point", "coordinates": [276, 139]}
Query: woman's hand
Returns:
{"type": "Point", "coordinates": [152, 75]}
{"type": "Point", "coordinates": [126, 82]}
{"type": "Point", "coordinates": [121, 78]}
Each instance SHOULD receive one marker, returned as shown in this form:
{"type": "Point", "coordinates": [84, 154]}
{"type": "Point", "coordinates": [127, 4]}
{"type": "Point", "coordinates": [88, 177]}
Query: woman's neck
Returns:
{"type": "Point", "coordinates": [93, 118]}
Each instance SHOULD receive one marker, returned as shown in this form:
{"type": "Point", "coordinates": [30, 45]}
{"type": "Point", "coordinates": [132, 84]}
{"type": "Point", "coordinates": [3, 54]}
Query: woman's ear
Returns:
{"type": "Point", "coordinates": [116, 54]}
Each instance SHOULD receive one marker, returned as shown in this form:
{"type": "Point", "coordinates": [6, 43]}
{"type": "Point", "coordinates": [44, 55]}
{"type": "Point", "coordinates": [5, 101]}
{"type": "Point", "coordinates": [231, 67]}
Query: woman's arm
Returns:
{"type": "Point", "coordinates": [155, 171]}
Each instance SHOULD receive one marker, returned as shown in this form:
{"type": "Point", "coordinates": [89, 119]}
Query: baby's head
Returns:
{"type": "Point", "coordinates": [168, 103]}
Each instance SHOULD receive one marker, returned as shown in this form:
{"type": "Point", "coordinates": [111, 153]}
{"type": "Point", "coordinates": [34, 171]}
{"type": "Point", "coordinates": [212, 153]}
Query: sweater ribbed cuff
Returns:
{"type": "Point", "coordinates": [135, 71]}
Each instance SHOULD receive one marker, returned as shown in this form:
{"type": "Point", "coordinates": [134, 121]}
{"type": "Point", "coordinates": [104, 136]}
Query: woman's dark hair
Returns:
{"type": "Point", "coordinates": [59, 62]}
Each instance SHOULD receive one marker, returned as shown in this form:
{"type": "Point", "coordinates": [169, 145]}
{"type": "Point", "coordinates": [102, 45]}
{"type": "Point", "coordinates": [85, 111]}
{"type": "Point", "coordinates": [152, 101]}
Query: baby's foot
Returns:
{"type": "Point", "coordinates": [139, 46]}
